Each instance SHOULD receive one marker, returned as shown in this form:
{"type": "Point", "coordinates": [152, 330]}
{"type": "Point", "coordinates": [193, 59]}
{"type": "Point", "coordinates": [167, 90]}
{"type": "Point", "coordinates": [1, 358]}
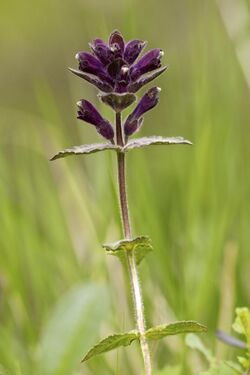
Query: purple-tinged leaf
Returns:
{"type": "Point", "coordinates": [103, 86]}
{"type": "Point", "coordinates": [146, 78]}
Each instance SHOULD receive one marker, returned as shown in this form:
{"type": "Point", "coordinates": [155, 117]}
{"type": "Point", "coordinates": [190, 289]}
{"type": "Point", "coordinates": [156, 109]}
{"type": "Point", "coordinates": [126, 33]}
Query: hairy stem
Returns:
{"type": "Point", "coordinates": [131, 261]}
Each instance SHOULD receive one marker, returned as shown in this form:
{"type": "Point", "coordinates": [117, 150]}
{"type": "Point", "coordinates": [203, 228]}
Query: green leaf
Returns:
{"type": "Point", "coordinates": [242, 323]}
{"type": "Point", "coordinates": [216, 368]}
{"type": "Point", "coordinates": [221, 369]}
{"type": "Point", "coordinates": [85, 149]}
{"type": "Point", "coordinates": [237, 369]}
{"type": "Point", "coordinates": [158, 332]}
{"type": "Point", "coordinates": [112, 342]}
{"type": "Point", "coordinates": [245, 362]}
{"type": "Point", "coordinates": [154, 140]}
{"type": "Point", "coordinates": [72, 328]}
{"type": "Point", "coordinates": [169, 370]}
{"type": "Point", "coordinates": [140, 245]}
{"type": "Point", "coordinates": [194, 342]}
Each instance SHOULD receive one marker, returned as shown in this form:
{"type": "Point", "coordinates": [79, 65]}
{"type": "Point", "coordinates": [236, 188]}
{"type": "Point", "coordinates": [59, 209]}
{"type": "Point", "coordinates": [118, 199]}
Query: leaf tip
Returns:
{"type": "Point", "coordinates": [53, 158]}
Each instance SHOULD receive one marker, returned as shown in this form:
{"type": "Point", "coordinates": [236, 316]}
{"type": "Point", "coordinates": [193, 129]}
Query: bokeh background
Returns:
{"type": "Point", "coordinates": [60, 293]}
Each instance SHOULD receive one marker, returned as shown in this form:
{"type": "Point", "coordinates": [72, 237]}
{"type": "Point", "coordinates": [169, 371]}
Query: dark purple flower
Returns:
{"type": "Point", "coordinates": [90, 64]}
{"type": "Point", "coordinates": [116, 43]}
{"type": "Point", "coordinates": [147, 102]}
{"type": "Point", "coordinates": [133, 50]}
{"type": "Point", "coordinates": [115, 67]}
{"type": "Point", "coordinates": [150, 61]}
{"type": "Point", "coordinates": [102, 51]}
{"type": "Point", "coordinates": [87, 112]}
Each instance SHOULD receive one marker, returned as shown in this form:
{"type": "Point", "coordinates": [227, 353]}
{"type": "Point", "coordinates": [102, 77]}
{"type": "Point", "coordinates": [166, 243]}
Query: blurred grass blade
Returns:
{"type": "Point", "coordinates": [72, 327]}
{"type": "Point", "coordinates": [112, 342]}
{"type": "Point", "coordinates": [169, 370]}
{"type": "Point", "coordinates": [194, 342]}
{"type": "Point", "coordinates": [158, 332]}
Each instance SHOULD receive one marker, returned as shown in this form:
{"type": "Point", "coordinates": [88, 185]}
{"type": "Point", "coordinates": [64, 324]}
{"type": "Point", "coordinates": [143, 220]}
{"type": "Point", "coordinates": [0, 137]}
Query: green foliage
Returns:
{"type": "Point", "coordinates": [155, 333]}
{"type": "Point", "coordinates": [158, 332]}
{"type": "Point", "coordinates": [242, 323]}
{"type": "Point", "coordinates": [192, 201]}
{"type": "Point", "coordinates": [194, 342]}
{"type": "Point", "coordinates": [112, 342]}
{"type": "Point", "coordinates": [169, 370]}
{"type": "Point", "coordinates": [221, 369]}
{"type": "Point", "coordinates": [242, 326]}
{"type": "Point", "coordinates": [216, 367]}
{"type": "Point", "coordinates": [72, 326]}
{"type": "Point", "coordinates": [140, 245]}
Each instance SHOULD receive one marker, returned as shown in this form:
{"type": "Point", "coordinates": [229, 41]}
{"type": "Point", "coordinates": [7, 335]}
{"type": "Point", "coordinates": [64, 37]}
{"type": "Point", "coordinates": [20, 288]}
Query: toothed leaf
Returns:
{"type": "Point", "coordinates": [85, 149]}
{"type": "Point", "coordinates": [112, 342]}
{"type": "Point", "coordinates": [158, 332]}
{"type": "Point", "coordinates": [155, 140]}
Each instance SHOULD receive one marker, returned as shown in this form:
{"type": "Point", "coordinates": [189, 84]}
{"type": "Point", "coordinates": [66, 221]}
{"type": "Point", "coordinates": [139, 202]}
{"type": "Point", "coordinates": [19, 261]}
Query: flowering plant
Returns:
{"type": "Point", "coordinates": [118, 71]}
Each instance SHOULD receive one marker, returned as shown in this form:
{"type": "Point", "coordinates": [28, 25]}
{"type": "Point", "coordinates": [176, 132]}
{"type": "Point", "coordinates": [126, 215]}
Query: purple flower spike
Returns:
{"type": "Point", "coordinates": [116, 64]}
{"type": "Point", "coordinates": [133, 50]}
{"type": "Point", "coordinates": [150, 61]}
{"type": "Point", "coordinates": [147, 102]}
{"type": "Point", "coordinates": [88, 113]}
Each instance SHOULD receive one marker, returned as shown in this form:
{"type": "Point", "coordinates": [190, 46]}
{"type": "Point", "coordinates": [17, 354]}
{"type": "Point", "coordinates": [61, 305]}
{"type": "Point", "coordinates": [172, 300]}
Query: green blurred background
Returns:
{"type": "Point", "coordinates": [59, 292]}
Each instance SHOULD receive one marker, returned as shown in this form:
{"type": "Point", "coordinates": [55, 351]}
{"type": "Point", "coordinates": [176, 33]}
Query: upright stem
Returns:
{"type": "Point", "coordinates": [131, 261]}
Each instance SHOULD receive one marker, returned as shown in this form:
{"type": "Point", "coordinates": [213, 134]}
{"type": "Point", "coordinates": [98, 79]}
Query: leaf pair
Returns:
{"type": "Point", "coordinates": [135, 143]}
{"type": "Point", "coordinates": [155, 333]}
{"type": "Point", "coordinates": [140, 245]}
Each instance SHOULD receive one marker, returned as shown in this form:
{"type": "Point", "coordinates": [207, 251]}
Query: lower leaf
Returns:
{"type": "Point", "coordinates": [186, 326]}
{"type": "Point", "coordinates": [112, 342]}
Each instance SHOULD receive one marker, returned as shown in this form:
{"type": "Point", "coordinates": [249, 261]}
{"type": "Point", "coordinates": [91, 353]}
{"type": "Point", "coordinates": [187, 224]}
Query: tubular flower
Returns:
{"type": "Point", "coordinates": [88, 113]}
{"type": "Point", "coordinates": [135, 119]}
{"type": "Point", "coordinates": [116, 66]}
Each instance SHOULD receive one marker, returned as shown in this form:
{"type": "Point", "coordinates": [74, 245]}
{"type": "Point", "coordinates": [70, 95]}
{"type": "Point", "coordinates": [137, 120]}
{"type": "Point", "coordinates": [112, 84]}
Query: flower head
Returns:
{"type": "Point", "coordinates": [88, 113]}
{"type": "Point", "coordinates": [116, 67]}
